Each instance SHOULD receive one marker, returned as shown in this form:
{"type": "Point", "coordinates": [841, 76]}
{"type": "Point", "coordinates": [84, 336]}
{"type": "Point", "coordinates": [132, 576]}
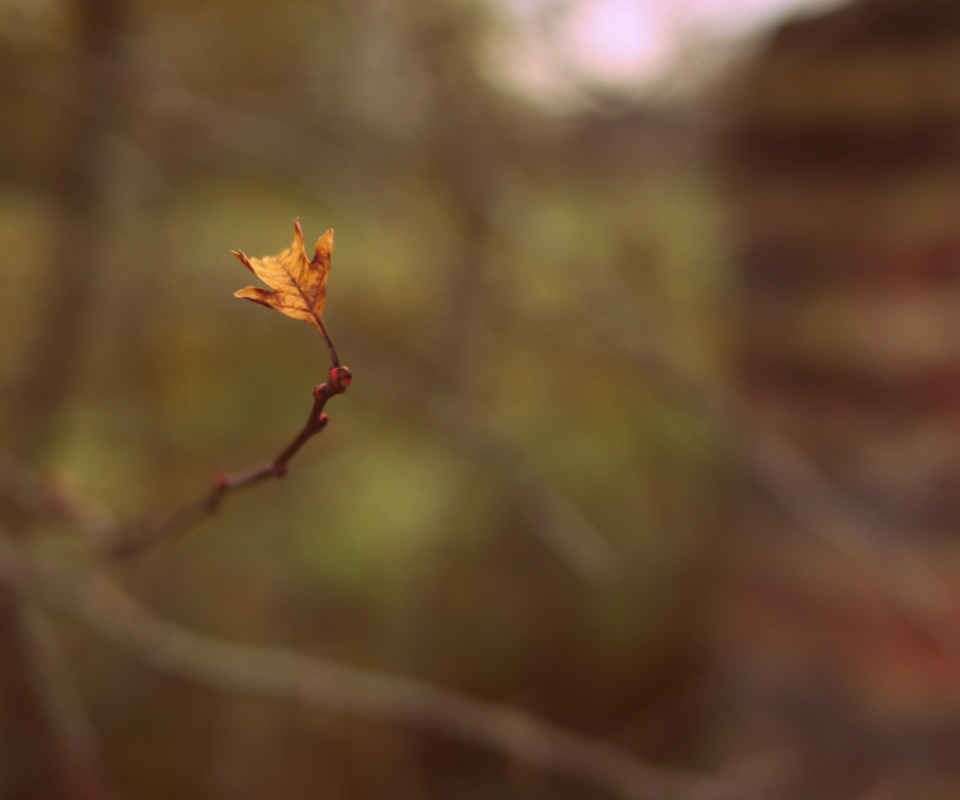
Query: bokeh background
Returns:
{"type": "Point", "coordinates": [653, 309]}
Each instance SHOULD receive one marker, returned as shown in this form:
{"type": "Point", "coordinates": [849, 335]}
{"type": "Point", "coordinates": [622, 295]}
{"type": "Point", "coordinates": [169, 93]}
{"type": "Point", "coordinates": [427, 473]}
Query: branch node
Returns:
{"type": "Point", "coordinates": [340, 379]}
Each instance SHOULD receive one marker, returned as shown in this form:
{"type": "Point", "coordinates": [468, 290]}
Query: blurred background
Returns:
{"type": "Point", "coordinates": [653, 309]}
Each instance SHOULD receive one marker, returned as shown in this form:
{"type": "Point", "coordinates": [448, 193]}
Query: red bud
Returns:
{"type": "Point", "coordinates": [341, 378]}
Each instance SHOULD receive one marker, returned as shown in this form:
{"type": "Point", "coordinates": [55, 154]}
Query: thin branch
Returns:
{"type": "Point", "coordinates": [131, 537]}
{"type": "Point", "coordinates": [284, 675]}
{"type": "Point", "coordinates": [553, 517]}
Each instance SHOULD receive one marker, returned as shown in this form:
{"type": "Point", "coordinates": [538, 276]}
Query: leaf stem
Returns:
{"type": "Point", "coordinates": [326, 337]}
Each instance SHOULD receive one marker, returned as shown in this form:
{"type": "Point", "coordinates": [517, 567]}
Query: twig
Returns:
{"type": "Point", "coordinates": [132, 537]}
{"type": "Point", "coordinates": [283, 675]}
{"type": "Point", "coordinates": [553, 517]}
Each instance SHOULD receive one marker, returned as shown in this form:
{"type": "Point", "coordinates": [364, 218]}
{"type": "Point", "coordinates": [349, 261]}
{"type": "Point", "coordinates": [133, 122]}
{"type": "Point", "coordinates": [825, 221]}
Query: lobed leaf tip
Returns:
{"type": "Point", "coordinates": [256, 294]}
{"type": "Point", "coordinates": [324, 248]}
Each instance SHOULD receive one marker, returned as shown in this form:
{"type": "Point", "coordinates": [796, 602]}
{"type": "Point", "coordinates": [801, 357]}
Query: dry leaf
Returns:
{"type": "Point", "coordinates": [298, 286]}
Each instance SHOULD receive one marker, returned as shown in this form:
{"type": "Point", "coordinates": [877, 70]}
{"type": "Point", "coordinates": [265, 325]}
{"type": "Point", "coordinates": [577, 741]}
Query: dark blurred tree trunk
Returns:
{"type": "Point", "coordinates": [32, 763]}
{"type": "Point", "coordinates": [29, 750]}
{"type": "Point", "coordinates": [92, 98]}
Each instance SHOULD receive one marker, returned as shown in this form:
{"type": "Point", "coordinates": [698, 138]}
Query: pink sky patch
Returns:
{"type": "Point", "coordinates": [617, 38]}
{"type": "Point", "coordinates": [550, 47]}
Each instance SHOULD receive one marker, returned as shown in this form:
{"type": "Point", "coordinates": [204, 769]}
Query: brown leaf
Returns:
{"type": "Point", "coordinates": [298, 286]}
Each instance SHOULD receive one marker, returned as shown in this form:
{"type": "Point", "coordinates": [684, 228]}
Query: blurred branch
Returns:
{"type": "Point", "coordinates": [30, 753]}
{"type": "Point", "coordinates": [552, 516]}
{"type": "Point", "coordinates": [35, 496]}
{"type": "Point", "coordinates": [894, 567]}
{"type": "Point", "coordinates": [471, 158]}
{"type": "Point", "coordinates": [187, 126]}
{"type": "Point", "coordinates": [83, 767]}
{"type": "Point", "coordinates": [807, 496]}
{"type": "Point", "coordinates": [283, 675]}
{"type": "Point", "coordinates": [454, 418]}
{"type": "Point", "coordinates": [86, 774]}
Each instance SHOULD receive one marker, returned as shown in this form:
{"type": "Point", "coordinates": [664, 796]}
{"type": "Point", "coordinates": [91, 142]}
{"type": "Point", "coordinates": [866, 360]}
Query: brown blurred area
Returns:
{"type": "Point", "coordinates": [654, 427]}
{"type": "Point", "coordinates": [843, 163]}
